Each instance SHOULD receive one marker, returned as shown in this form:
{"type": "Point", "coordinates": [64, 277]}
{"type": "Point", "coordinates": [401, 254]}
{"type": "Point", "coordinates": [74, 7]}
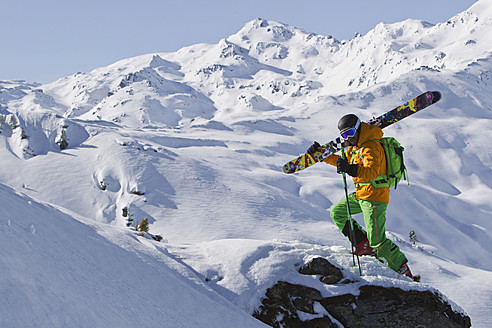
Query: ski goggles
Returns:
{"type": "Point", "coordinates": [350, 132]}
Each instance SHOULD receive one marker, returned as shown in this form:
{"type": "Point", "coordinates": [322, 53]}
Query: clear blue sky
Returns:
{"type": "Point", "coordinates": [42, 40]}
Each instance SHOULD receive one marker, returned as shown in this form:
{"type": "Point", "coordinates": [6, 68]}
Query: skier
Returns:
{"type": "Point", "coordinates": [365, 161]}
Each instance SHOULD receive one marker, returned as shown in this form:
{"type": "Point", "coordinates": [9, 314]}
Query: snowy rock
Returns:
{"type": "Point", "coordinates": [320, 266]}
{"type": "Point", "coordinates": [282, 302]}
{"type": "Point", "coordinates": [286, 305]}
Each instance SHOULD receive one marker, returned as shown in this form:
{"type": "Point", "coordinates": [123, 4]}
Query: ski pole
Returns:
{"type": "Point", "coordinates": [351, 225]}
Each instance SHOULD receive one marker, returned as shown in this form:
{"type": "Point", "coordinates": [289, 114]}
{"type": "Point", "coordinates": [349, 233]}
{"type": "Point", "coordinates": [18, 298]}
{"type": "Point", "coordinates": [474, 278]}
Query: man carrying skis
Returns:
{"type": "Point", "coordinates": [365, 161]}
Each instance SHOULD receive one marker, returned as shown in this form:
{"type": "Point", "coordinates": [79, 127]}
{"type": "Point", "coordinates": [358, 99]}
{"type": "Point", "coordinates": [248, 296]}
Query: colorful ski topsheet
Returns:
{"type": "Point", "coordinates": [396, 114]}
{"type": "Point", "coordinates": [416, 104]}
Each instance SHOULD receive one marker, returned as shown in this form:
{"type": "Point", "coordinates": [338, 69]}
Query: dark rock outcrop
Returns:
{"type": "Point", "coordinates": [375, 306]}
{"type": "Point", "coordinates": [393, 307]}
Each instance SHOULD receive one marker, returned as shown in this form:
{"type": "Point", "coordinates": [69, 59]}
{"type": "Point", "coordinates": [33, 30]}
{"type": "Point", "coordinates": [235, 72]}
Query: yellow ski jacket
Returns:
{"type": "Point", "coordinates": [371, 162]}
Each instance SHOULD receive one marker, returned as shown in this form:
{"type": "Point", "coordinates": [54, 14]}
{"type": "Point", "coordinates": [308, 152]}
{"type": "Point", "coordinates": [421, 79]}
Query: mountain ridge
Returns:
{"type": "Point", "coordinates": [240, 59]}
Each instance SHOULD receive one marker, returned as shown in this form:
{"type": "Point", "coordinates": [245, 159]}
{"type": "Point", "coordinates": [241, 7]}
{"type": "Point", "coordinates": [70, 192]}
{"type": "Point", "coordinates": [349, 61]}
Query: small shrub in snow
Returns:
{"type": "Point", "coordinates": [143, 226]}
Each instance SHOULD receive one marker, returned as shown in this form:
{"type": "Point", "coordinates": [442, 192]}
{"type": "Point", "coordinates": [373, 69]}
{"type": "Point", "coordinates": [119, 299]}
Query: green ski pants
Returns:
{"type": "Point", "coordinates": [374, 221]}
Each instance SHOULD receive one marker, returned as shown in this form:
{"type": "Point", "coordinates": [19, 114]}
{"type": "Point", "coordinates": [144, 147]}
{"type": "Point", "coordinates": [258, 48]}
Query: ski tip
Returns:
{"type": "Point", "coordinates": [288, 169]}
{"type": "Point", "coordinates": [436, 96]}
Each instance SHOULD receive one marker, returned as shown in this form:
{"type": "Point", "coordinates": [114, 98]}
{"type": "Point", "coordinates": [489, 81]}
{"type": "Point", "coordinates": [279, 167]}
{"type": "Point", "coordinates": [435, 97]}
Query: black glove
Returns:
{"type": "Point", "coordinates": [314, 148]}
{"type": "Point", "coordinates": [344, 166]}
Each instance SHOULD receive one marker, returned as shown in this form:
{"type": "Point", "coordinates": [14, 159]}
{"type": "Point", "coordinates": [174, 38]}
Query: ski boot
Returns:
{"type": "Point", "coordinates": [405, 271]}
{"type": "Point", "coordinates": [364, 249]}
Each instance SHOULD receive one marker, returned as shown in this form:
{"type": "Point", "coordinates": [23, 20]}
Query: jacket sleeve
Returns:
{"type": "Point", "coordinates": [332, 159]}
{"type": "Point", "coordinates": [371, 163]}
{"type": "Point", "coordinates": [369, 166]}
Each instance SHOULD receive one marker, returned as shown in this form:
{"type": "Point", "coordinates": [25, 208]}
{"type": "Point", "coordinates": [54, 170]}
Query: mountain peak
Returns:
{"type": "Point", "coordinates": [264, 30]}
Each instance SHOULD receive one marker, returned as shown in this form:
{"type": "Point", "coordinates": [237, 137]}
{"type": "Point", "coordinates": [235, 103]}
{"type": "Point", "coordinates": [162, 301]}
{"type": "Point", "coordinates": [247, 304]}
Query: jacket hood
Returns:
{"type": "Point", "coordinates": [368, 132]}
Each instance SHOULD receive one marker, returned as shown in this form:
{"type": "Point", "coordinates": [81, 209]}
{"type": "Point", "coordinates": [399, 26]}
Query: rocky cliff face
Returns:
{"type": "Point", "coordinates": [293, 305]}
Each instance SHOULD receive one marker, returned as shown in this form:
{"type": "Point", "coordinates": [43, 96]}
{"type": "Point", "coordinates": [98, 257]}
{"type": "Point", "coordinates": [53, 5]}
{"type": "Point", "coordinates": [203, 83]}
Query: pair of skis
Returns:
{"type": "Point", "coordinates": [396, 114]}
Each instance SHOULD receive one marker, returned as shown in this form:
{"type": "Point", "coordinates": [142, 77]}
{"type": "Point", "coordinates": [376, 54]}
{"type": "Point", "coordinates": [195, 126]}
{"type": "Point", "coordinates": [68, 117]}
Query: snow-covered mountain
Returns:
{"type": "Point", "coordinates": [195, 140]}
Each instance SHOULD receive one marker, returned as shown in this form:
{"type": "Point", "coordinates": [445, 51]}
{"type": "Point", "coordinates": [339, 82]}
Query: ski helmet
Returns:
{"type": "Point", "coordinates": [347, 122]}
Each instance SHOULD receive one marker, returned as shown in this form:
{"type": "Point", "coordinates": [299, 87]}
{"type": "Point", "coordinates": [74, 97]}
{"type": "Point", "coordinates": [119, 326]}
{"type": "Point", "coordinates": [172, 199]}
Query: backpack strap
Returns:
{"type": "Point", "coordinates": [379, 182]}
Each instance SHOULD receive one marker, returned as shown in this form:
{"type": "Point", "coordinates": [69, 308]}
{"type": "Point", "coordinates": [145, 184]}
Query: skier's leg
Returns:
{"type": "Point", "coordinates": [375, 220]}
{"type": "Point", "coordinates": [340, 216]}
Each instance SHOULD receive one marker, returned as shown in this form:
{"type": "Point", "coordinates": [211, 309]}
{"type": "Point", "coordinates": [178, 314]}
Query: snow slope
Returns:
{"type": "Point", "coordinates": [195, 140]}
{"type": "Point", "coordinates": [59, 272]}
